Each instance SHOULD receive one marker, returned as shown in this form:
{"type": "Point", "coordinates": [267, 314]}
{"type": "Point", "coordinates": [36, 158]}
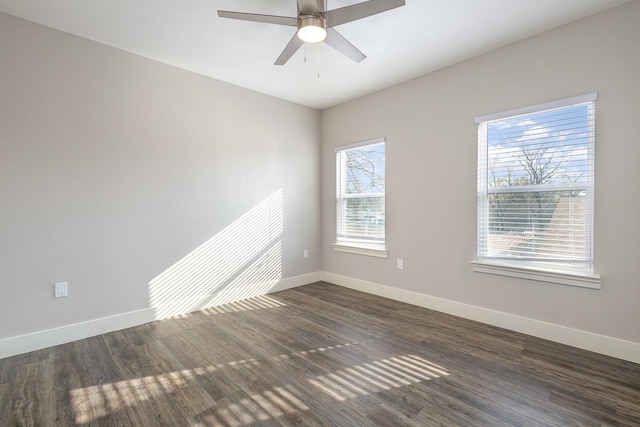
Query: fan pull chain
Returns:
{"type": "Point", "coordinates": [318, 60]}
{"type": "Point", "coordinates": [305, 57]}
{"type": "Point", "coordinates": [326, 7]}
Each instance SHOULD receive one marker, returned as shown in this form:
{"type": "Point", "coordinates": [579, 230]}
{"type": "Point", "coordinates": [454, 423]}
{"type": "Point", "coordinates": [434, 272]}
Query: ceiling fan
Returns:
{"type": "Point", "coordinates": [315, 24]}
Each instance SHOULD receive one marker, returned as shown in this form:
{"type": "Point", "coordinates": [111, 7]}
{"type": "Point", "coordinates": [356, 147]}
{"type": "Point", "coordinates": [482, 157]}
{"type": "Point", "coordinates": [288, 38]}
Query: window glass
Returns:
{"type": "Point", "coordinates": [535, 186]}
{"type": "Point", "coordinates": [360, 195]}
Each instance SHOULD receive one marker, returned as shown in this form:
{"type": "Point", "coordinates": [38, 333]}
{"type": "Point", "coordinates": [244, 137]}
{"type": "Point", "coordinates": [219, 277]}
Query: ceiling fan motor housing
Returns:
{"type": "Point", "coordinates": [312, 28]}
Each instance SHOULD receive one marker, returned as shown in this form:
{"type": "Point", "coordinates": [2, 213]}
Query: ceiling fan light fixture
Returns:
{"type": "Point", "coordinates": [312, 29]}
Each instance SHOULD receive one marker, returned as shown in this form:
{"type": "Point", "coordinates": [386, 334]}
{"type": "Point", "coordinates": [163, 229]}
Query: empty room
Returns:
{"type": "Point", "coordinates": [195, 228]}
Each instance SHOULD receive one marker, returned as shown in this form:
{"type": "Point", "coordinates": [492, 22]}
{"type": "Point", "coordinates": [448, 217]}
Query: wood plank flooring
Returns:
{"type": "Point", "coordinates": [318, 355]}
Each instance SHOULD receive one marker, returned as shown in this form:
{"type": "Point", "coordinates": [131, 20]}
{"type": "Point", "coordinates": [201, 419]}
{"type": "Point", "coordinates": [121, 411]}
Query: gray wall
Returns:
{"type": "Point", "coordinates": [114, 168]}
{"type": "Point", "coordinates": [431, 172]}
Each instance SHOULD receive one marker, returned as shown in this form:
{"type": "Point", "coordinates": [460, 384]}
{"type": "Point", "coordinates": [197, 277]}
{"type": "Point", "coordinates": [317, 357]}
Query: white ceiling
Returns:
{"type": "Point", "coordinates": [420, 37]}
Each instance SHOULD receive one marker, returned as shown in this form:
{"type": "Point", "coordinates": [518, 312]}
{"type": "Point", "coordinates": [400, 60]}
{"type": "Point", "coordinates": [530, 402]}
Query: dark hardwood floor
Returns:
{"type": "Point", "coordinates": [317, 355]}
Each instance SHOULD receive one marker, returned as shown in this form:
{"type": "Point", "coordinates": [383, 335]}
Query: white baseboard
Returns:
{"type": "Point", "coordinates": [50, 337]}
{"type": "Point", "coordinates": [77, 331]}
{"type": "Point", "coordinates": [610, 346]}
{"type": "Point", "coordinates": [615, 347]}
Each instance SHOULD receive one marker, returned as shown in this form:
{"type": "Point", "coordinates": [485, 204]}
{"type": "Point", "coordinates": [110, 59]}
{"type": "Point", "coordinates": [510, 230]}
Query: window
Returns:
{"type": "Point", "coordinates": [535, 187]}
{"type": "Point", "coordinates": [360, 193]}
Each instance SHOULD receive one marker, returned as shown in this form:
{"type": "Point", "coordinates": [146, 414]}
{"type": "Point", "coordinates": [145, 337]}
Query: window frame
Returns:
{"type": "Point", "coordinates": [547, 271]}
{"type": "Point", "coordinates": [360, 247]}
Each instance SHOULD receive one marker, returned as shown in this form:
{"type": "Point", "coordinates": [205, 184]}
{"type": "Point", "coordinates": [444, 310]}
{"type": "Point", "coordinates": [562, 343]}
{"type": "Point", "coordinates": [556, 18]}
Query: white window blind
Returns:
{"type": "Point", "coordinates": [535, 184]}
{"type": "Point", "coordinates": [360, 194]}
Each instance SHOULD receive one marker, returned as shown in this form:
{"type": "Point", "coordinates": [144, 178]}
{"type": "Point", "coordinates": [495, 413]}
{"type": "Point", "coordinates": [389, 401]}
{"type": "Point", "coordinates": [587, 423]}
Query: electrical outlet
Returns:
{"type": "Point", "coordinates": [60, 290]}
{"type": "Point", "coordinates": [305, 253]}
{"type": "Point", "coordinates": [400, 264]}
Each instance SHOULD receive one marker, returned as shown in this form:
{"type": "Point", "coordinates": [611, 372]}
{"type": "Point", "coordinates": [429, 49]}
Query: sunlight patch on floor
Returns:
{"type": "Point", "coordinates": [384, 374]}
{"type": "Point", "coordinates": [94, 402]}
{"type": "Point", "coordinates": [254, 303]}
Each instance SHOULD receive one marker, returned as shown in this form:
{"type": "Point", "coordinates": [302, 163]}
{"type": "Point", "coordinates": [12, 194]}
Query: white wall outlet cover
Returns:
{"type": "Point", "coordinates": [60, 289]}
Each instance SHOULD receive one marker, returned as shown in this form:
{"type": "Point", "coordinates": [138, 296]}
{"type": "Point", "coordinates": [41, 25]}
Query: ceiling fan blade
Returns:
{"type": "Point", "coordinates": [344, 46]}
{"type": "Point", "coordinates": [269, 19]}
{"type": "Point", "coordinates": [291, 48]}
{"type": "Point", "coordinates": [308, 7]}
{"type": "Point", "coordinates": [359, 10]}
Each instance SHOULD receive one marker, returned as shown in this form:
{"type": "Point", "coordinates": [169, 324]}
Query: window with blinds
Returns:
{"type": "Point", "coordinates": [360, 194]}
{"type": "Point", "coordinates": [535, 184]}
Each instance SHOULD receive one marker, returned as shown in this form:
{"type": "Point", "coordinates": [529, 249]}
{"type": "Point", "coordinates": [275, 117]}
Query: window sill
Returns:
{"type": "Point", "coordinates": [361, 250]}
{"type": "Point", "coordinates": [585, 280]}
